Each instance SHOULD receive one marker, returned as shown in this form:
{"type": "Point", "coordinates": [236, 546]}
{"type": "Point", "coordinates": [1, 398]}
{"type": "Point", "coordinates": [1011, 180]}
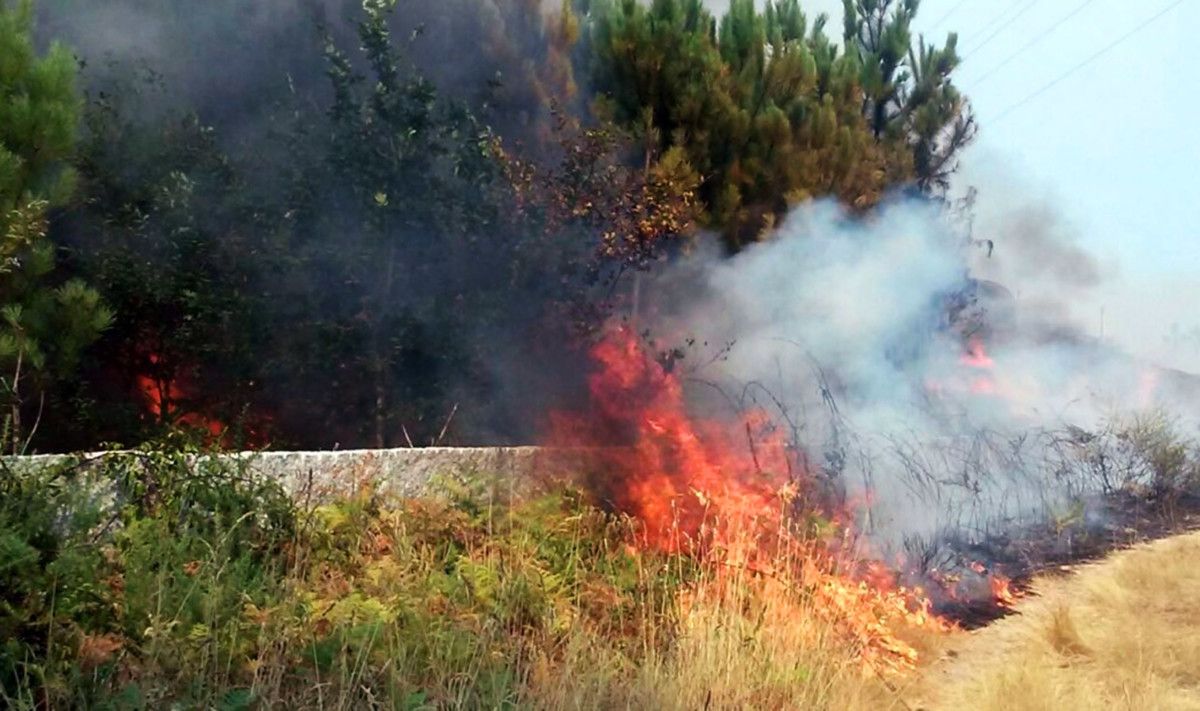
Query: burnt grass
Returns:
{"type": "Point", "coordinates": [1020, 553]}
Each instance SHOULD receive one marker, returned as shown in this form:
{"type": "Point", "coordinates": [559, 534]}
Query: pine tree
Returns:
{"type": "Point", "coordinates": [908, 92]}
{"type": "Point", "coordinates": [762, 105]}
{"type": "Point", "coordinates": [44, 325]}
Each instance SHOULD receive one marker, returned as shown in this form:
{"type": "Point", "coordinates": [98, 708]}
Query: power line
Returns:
{"type": "Point", "coordinates": [1001, 28]}
{"type": "Point", "coordinates": [1103, 51]}
{"type": "Point", "coordinates": [951, 11]}
{"type": "Point", "coordinates": [1009, 8]}
{"type": "Point", "coordinates": [1032, 42]}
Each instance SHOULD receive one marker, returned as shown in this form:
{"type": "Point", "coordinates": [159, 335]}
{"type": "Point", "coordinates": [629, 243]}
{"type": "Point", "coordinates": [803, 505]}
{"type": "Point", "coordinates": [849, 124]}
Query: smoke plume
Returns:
{"type": "Point", "coordinates": [938, 395]}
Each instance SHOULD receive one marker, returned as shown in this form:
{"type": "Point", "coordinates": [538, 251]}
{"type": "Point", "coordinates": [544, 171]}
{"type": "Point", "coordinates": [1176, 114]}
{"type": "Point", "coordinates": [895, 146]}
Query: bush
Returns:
{"type": "Point", "coordinates": [96, 558]}
{"type": "Point", "coordinates": [169, 578]}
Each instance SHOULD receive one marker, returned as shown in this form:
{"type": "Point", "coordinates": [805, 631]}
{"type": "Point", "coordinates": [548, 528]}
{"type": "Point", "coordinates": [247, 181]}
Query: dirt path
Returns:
{"type": "Point", "coordinates": [1123, 632]}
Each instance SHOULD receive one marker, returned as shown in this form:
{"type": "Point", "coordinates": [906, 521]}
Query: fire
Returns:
{"type": "Point", "coordinates": [723, 490]}
{"type": "Point", "coordinates": [976, 355]}
{"type": "Point", "coordinates": [977, 358]}
{"type": "Point", "coordinates": [687, 480]}
{"type": "Point", "coordinates": [975, 583]}
{"type": "Point", "coordinates": [1002, 591]}
{"type": "Point", "coordinates": [163, 396]}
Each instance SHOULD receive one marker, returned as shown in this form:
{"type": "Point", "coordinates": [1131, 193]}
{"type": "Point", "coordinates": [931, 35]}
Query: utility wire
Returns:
{"type": "Point", "coordinates": [951, 11]}
{"type": "Point", "coordinates": [1000, 29]}
{"type": "Point", "coordinates": [1103, 51]}
{"type": "Point", "coordinates": [1003, 14]}
{"type": "Point", "coordinates": [1003, 63]}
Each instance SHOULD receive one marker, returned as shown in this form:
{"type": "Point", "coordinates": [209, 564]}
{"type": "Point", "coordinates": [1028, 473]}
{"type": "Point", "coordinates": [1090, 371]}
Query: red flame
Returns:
{"type": "Point", "coordinates": [723, 486]}
{"type": "Point", "coordinates": [164, 395]}
{"type": "Point", "coordinates": [677, 474]}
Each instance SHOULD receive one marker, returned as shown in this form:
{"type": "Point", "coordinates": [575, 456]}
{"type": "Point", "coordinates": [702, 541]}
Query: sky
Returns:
{"type": "Point", "coordinates": [1112, 149]}
{"type": "Point", "coordinates": [1110, 154]}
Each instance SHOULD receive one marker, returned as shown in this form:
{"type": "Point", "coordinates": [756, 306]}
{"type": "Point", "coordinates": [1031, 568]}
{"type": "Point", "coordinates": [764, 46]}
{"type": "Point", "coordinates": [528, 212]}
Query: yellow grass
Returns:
{"type": "Point", "coordinates": [741, 645]}
{"type": "Point", "coordinates": [1120, 634]}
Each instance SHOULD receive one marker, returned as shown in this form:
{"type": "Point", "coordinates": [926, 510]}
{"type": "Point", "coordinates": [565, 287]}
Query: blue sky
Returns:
{"type": "Point", "coordinates": [1111, 153]}
{"type": "Point", "coordinates": [1113, 149]}
{"type": "Point", "coordinates": [1114, 145]}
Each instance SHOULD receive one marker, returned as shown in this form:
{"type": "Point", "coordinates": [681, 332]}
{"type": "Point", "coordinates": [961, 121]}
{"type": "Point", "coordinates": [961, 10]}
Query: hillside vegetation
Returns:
{"type": "Point", "coordinates": [404, 221]}
{"type": "Point", "coordinates": [204, 587]}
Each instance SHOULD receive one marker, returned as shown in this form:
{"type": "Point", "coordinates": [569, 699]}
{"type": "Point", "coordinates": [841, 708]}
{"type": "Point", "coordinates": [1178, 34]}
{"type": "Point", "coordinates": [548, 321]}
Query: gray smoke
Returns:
{"type": "Point", "coordinates": [234, 61]}
{"type": "Point", "coordinates": [901, 372]}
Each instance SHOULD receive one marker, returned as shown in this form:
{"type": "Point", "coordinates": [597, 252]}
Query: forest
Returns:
{"type": "Point", "coordinates": [565, 354]}
{"type": "Point", "coordinates": [335, 225]}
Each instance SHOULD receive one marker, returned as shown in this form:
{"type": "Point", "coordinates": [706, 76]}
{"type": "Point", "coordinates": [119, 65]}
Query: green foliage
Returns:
{"type": "Point", "coordinates": [50, 572]}
{"type": "Point", "coordinates": [180, 245]}
{"type": "Point", "coordinates": [169, 578]}
{"type": "Point", "coordinates": [351, 267]}
{"type": "Point", "coordinates": [38, 113]}
{"type": "Point", "coordinates": [769, 112]}
{"type": "Point", "coordinates": [44, 326]}
{"type": "Point", "coordinates": [128, 558]}
{"type": "Point", "coordinates": [909, 95]}
{"type": "Point", "coordinates": [411, 237]}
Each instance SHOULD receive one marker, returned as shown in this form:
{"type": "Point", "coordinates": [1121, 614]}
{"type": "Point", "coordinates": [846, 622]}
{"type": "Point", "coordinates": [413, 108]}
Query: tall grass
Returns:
{"type": "Point", "coordinates": [205, 587]}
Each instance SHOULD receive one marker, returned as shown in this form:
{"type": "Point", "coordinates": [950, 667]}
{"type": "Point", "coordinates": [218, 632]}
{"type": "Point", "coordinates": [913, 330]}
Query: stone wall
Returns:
{"type": "Point", "coordinates": [403, 472]}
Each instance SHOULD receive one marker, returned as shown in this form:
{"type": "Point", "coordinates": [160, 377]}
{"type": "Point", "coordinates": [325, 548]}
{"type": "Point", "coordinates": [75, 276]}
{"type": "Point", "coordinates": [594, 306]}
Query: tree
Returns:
{"type": "Point", "coordinates": [908, 92]}
{"type": "Point", "coordinates": [761, 105]}
{"type": "Point", "coordinates": [44, 324]}
{"type": "Point", "coordinates": [175, 237]}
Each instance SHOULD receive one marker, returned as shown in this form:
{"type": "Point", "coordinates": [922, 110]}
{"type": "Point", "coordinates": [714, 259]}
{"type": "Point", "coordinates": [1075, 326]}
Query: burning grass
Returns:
{"type": "Point", "coordinates": [208, 589]}
{"type": "Point", "coordinates": [699, 565]}
{"type": "Point", "coordinates": [1123, 633]}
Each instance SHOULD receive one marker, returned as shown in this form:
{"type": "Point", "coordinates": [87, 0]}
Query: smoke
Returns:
{"type": "Point", "coordinates": [233, 61]}
{"type": "Point", "coordinates": [951, 387]}
{"type": "Point", "coordinates": [857, 332]}
{"type": "Point", "coordinates": [257, 75]}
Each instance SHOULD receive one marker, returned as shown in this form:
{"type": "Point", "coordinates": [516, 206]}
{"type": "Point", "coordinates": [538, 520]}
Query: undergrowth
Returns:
{"type": "Point", "coordinates": [171, 579]}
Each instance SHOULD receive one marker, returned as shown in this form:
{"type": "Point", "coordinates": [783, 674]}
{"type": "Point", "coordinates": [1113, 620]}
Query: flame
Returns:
{"type": "Point", "coordinates": [723, 489]}
{"type": "Point", "coordinates": [977, 358]}
{"type": "Point", "coordinates": [686, 480]}
{"type": "Point", "coordinates": [163, 396]}
{"type": "Point", "coordinates": [976, 355]}
{"type": "Point", "coordinates": [1002, 591]}
{"type": "Point", "coordinates": [976, 583]}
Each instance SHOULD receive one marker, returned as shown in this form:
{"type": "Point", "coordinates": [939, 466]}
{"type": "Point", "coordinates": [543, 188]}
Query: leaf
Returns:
{"type": "Point", "coordinates": [236, 700]}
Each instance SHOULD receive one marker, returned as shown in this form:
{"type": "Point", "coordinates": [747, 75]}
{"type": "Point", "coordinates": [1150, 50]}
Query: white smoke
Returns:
{"type": "Point", "coordinates": [845, 329]}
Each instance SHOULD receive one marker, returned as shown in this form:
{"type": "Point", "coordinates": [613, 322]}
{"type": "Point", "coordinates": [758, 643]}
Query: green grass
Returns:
{"type": "Point", "coordinates": [167, 580]}
{"type": "Point", "coordinates": [209, 589]}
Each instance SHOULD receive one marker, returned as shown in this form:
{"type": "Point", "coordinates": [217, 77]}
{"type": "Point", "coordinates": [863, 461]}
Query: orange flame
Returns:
{"type": "Point", "coordinates": [724, 487]}
{"type": "Point", "coordinates": [678, 475]}
{"type": "Point", "coordinates": [164, 396]}
{"type": "Point", "coordinates": [1002, 591]}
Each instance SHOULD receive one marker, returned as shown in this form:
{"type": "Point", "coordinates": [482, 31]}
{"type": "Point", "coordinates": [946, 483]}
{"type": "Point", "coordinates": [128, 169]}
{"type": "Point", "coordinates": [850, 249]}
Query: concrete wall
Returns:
{"type": "Point", "coordinates": [404, 472]}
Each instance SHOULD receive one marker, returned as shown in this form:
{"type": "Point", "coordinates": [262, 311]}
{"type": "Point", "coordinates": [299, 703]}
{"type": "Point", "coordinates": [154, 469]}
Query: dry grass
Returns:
{"type": "Point", "coordinates": [451, 601]}
{"type": "Point", "coordinates": [1121, 634]}
{"type": "Point", "coordinates": [739, 644]}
